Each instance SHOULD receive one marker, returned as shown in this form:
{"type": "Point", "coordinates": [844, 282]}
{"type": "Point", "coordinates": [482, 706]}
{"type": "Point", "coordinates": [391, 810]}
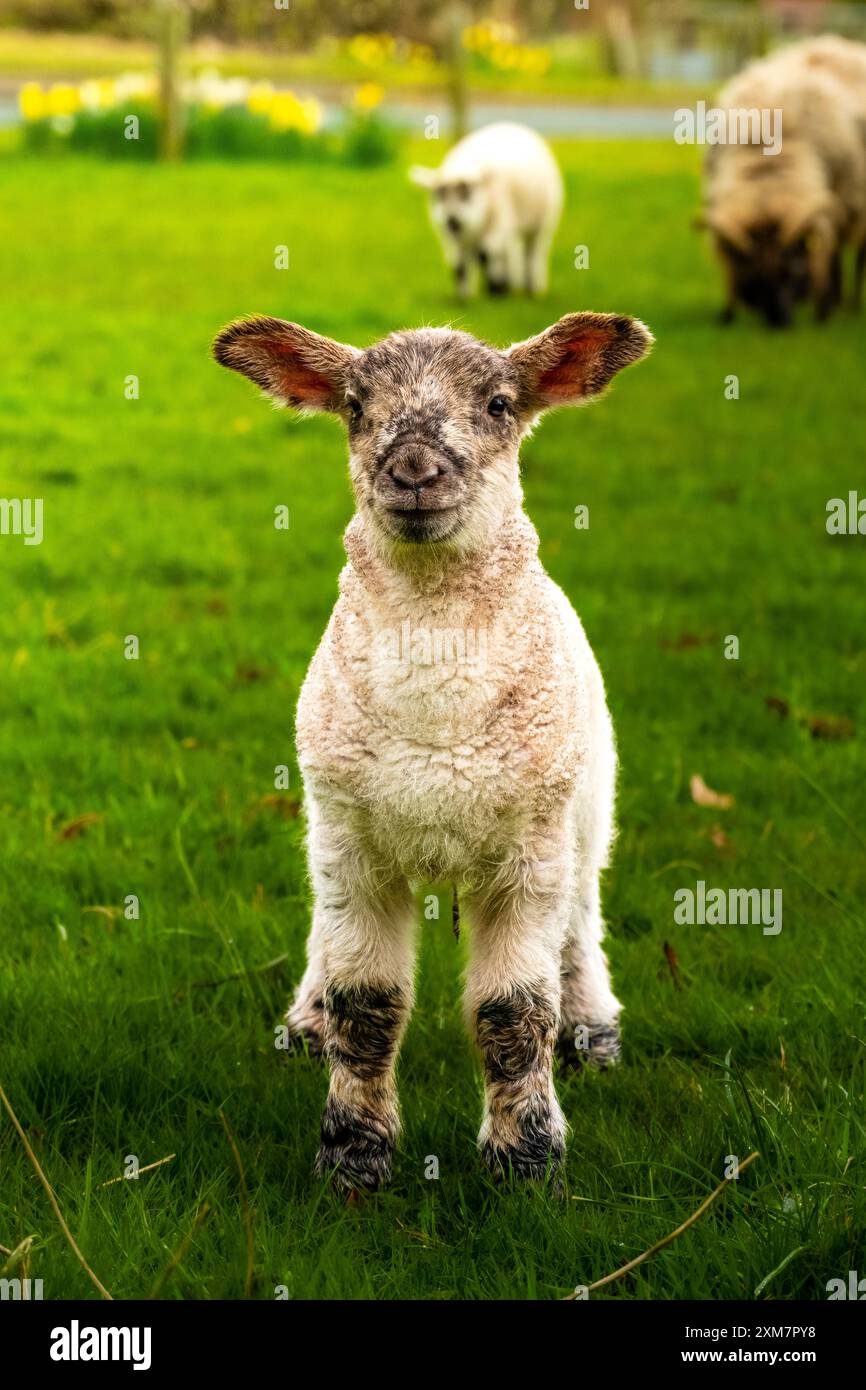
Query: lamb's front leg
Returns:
{"type": "Point", "coordinates": [367, 923]}
{"type": "Point", "coordinates": [513, 989]}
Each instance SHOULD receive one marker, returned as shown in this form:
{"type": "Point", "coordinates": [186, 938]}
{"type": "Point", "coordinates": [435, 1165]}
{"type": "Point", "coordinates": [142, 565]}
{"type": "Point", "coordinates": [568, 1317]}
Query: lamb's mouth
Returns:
{"type": "Point", "coordinates": [423, 523]}
{"type": "Point", "coordinates": [424, 510]}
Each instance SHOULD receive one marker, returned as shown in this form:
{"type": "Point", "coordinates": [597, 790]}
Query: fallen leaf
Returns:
{"type": "Point", "coordinates": [702, 795]}
{"type": "Point", "coordinates": [248, 675]}
{"type": "Point", "coordinates": [79, 825]}
{"type": "Point", "coordinates": [782, 708]}
{"type": "Point", "coordinates": [673, 964]}
{"type": "Point", "coordinates": [719, 838]}
{"type": "Point", "coordinates": [832, 727]}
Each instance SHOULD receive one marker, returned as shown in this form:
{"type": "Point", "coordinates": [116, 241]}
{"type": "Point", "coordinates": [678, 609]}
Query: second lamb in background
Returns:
{"type": "Point", "coordinates": [496, 201]}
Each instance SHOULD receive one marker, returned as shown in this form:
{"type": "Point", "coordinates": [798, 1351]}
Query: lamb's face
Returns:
{"type": "Point", "coordinates": [434, 420]}
{"type": "Point", "coordinates": [434, 416]}
{"type": "Point", "coordinates": [460, 207]}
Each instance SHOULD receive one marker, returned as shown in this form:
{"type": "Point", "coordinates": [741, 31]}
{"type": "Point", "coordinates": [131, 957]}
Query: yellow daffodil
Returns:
{"type": "Point", "coordinates": [503, 55]}
{"type": "Point", "coordinates": [373, 49]}
{"type": "Point", "coordinates": [284, 111]}
{"type": "Point", "coordinates": [260, 97]}
{"type": "Point", "coordinates": [32, 101]}
{"type": "Point", "coordinates": [368, 97]}
{"type": "Point", "coordinates": [63, 99]}
{"type": "Point", "coordinates": [288, 112]}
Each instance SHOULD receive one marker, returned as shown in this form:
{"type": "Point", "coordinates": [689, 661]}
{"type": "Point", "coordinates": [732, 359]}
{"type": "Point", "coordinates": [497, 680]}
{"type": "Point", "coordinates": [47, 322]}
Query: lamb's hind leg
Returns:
{"type": "Point", "coordinates": [589, 1009]}
{"type": "Point", "coordinates": [589, 1017]}
{"type": "Point", "coordinates": [306, 1014]}
{"type": "Point", "coordinates": [538, 247]}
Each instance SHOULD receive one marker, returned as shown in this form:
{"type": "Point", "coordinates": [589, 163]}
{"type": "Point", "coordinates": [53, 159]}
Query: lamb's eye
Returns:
{"type": "Point", "coordinates": [355, 407]}
{"type": "Point", "coordinates": [497, 406]}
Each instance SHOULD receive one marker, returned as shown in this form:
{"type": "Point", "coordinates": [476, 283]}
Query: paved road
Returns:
{"type": "Point", "coordinates": [613, 122]}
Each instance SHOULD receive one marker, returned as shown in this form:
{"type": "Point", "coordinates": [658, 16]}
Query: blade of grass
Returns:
{"type": "Point", "coordinates": [51, 1197]}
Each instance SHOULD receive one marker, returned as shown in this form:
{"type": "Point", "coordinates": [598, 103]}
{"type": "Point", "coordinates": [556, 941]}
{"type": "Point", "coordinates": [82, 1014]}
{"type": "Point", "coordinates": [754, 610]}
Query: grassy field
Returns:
{"type": "Point", "coordinates": [707, 518]}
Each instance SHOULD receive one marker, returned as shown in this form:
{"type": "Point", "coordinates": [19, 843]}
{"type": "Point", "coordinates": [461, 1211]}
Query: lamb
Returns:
{"type": "Point", "coordinates": [495, 201]}
{"type": "Point", "coordinates": [780, 221]}
{"type": "Point", "coordinates": [490, 766]}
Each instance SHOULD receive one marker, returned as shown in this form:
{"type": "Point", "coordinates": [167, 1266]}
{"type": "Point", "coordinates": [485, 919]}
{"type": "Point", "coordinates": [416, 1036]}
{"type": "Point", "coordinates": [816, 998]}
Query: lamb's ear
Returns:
{"type": "Point", "coordinates": [576, 358]}
{"type": "Point", "coordinates": [424, 177]}
{"type": "Point", "coordinates": [295, 366]}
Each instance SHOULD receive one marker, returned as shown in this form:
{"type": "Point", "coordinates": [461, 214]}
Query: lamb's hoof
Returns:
{"type": "Point", "coordinates": [497, 287]}
{"type": "Point", "coordinates": [536, 1157]}
{"type": "Point", "coordinates": [355, 1155]}
{"type": "Point", "coordinates": [598, 1045]}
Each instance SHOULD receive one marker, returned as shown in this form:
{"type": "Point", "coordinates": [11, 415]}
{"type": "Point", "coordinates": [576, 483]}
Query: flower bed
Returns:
{"type": "Point", "coordinates": [226, 118]}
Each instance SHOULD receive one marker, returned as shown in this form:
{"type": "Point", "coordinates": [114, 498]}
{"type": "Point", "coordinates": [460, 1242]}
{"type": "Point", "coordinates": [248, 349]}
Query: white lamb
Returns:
{"type": "Point", "coordinates": [452, 728]}
{"type": "Point", "coordinates": [495, 201]}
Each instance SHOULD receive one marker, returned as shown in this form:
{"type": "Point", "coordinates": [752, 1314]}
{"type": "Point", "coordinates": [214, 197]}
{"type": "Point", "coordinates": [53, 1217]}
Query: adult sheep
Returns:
{"type": "Point", "coordinates": [844, 60]}
{"type": "Point", "coordinates": [781, 219]}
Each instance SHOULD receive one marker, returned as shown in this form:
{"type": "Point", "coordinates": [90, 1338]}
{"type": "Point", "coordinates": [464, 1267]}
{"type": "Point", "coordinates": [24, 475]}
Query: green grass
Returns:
{"type": "Point", "coordinates": [706, 518]}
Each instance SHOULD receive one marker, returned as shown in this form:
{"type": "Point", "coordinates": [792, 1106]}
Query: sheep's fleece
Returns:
{"type": "Point", "coordinates": [452, 728]}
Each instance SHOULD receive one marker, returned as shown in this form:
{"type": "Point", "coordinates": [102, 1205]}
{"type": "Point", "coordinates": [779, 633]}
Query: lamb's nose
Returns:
{"type": "Point", "coordinates": [454, 224]}
{"type": "Point", "coordinates": [414, 470]}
